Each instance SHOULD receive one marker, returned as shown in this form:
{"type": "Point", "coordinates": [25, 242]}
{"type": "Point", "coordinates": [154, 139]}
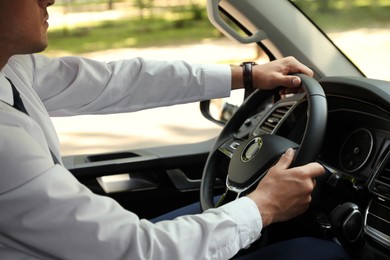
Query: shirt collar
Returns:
{"type": "Point", "coordinates": [6, 90]}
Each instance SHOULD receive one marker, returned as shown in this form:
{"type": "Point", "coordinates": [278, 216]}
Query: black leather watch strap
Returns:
{"type": "Point", "coordinates": [247, 77]}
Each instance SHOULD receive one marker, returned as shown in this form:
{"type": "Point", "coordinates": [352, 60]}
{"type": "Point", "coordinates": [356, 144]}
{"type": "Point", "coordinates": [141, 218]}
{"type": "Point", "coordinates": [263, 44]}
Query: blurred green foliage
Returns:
{"type": "Point", "coordinates": [336, 15]}
{"type": "Point", "coordinates": [129, 33]}
{"type": "Point", "coordinates": [179, 25]}
{"type": "Point", "coordinates": [168, 22]}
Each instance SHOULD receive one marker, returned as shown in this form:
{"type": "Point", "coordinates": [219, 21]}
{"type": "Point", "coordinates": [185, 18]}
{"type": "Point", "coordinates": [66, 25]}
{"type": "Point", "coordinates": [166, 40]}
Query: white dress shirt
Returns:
{"type": "Point", "coordinates": [47, 214]}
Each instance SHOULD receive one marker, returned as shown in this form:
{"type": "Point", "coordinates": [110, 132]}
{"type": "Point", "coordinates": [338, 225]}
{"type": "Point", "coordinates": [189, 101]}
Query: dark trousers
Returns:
{"type": "Point", "coordinates": [305, 248]}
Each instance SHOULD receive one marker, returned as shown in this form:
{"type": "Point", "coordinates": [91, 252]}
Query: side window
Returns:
{"type": "Point", "coordinates": [359, 28]}
{"type": "Point", "coordinates": [109, 30]}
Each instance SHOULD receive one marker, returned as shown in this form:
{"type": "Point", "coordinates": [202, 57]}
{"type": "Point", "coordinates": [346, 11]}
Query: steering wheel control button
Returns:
{"type": "Point", "coordinates": [229, 148]}
{"type": "Point", "coordinates": [234, 145]}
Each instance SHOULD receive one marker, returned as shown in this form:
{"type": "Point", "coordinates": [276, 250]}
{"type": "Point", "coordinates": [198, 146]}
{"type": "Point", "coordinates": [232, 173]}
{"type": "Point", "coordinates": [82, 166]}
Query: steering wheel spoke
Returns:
{"type": "Point", "coordinates": [228, 196]}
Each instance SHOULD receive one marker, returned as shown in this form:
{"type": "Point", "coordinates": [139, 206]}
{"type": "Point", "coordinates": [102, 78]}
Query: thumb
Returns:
{"type": "Point", "coordinates": [286, 159]}
{"type": "Point", "coordinates": [291, 81]}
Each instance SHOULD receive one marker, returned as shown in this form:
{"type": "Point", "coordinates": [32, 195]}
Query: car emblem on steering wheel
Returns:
{"type": "Point", "coordinates": [251, 149]}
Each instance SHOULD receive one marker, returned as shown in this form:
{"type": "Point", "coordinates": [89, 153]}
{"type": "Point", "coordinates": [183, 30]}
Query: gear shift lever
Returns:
{"type": "Point", "coordinates": [347, 225]}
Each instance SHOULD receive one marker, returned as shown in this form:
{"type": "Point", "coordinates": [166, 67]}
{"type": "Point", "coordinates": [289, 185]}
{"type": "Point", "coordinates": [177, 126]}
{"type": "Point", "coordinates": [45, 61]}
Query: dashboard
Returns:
{"type": "Point", "coordinates": [356, 138]}
{"type": "Point", "coordinates": [356, 147]}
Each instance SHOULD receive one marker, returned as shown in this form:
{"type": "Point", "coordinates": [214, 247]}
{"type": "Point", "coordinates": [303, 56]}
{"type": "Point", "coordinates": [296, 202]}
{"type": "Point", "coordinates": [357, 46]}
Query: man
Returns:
{"type": "Point", "coordinates": [47, 214]}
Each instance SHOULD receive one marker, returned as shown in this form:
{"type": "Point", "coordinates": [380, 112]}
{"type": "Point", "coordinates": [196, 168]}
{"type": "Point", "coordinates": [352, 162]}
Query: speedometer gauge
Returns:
{"type": "Point", "coordinates": [356, 150]}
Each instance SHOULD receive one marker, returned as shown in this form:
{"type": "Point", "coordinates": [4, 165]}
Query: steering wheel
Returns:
{"type": "Point", "coordinates": [250, 158]}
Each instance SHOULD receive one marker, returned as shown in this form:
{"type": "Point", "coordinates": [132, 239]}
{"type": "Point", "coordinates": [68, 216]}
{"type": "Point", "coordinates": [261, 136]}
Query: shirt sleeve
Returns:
{"type": "Point", "coordinates": [53, 216]}
{"type": "Point", "coordinates": [74, 85]}
{"type": "Point", "coordinates": [46, 213]}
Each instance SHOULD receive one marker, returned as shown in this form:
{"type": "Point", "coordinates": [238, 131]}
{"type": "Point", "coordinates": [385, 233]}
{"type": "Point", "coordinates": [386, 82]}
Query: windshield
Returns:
{"type": "Point", "coordinates": [360, 28]}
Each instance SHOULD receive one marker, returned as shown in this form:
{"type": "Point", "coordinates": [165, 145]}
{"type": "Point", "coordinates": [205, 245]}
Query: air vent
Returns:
{"type": "Point", "coordinates": [385, 176]}
{"type": "Point", "coordinates": [377, 222]}
{"type": "Point", "coordinates": [380, 184]}
{"type": "Point", "coordinates": [273, 119]}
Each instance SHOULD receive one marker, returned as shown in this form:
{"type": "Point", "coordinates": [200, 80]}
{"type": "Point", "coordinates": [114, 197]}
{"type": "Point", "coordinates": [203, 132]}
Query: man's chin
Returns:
{"type": "Point", "coordinates": [39, 48]}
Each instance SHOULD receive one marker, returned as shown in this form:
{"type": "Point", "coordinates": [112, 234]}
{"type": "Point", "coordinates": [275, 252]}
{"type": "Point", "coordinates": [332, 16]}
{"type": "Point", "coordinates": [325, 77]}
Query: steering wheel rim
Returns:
{"type": "Point", "coordinates": [307, 150]}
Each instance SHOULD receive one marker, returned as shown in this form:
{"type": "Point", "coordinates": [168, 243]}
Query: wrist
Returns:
{"type": "Point", "coordinates": [237, 77]}
{"type": "Point", "coordinates": [265, 214]}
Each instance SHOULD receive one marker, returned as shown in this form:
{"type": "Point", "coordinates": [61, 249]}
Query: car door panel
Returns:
{"type": "Point", "coordinates": [163, 178]}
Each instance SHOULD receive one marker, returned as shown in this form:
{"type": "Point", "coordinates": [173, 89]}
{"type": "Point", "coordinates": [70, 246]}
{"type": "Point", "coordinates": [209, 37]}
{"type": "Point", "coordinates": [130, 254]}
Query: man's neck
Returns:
{"type": "Point", "coordinates": [5, 54]}
{"type": "Point", "coordinates": [3, 61]}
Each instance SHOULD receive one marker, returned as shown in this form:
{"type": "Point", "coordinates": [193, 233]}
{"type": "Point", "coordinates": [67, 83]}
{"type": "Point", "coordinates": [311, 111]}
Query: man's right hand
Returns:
{"type": "Point", "coordinates": [285, 193]}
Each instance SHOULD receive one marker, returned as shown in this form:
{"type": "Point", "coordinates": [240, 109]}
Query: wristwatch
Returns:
{"type": "Point", "coordinates": [247, 76]}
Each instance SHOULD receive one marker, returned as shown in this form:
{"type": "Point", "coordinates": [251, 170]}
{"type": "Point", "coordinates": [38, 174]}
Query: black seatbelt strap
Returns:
{"type": "Point", "coordinates": [18, 104]}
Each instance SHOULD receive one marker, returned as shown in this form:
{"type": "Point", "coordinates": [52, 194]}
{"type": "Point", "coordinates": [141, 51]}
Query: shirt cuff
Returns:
{"type": "Point", "coordinates": [247, 216]}
{"type": "Point", "coordinates": [218, 80]}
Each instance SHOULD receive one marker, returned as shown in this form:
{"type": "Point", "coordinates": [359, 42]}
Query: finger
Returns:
{"type": "Point", "coordinates": [286, 159]}
{"type": "Point", "coordinates": [307, 71]}
{"type": "Point", "coordinates": [308, 171]}
{"type": "Point", "coordinates": [298, 67]}
{"type": "Point", "coordinates": [314, 170]}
